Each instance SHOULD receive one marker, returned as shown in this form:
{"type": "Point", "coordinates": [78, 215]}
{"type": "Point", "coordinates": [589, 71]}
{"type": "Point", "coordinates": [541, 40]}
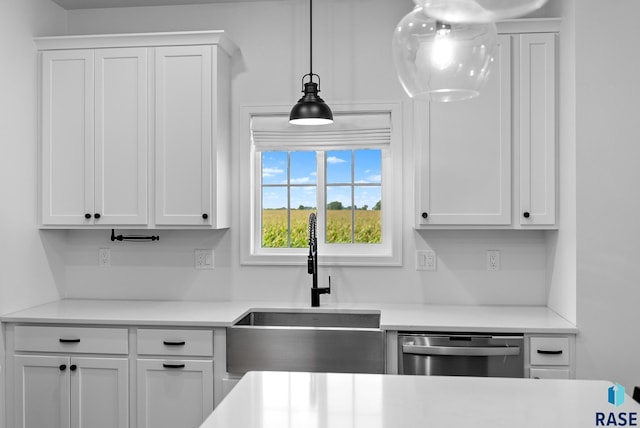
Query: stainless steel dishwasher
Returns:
{"type": "Point", "coordinates": [438, 354]}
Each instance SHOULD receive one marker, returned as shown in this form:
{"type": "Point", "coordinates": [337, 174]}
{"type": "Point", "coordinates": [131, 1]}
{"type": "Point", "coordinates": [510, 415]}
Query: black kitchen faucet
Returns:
{"type": "Point", "coordinates": [312, 264]}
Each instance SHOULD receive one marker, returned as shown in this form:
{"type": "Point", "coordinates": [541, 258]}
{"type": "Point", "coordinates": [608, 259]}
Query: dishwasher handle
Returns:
{"type": "Point", "coordinates": [466, 351]}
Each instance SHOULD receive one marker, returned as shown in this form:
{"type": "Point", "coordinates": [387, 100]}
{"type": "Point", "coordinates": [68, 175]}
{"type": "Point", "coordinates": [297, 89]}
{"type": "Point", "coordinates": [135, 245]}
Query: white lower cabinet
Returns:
{"type": "Point", "coordinates": [550, 356]}
{"type": "Point", "coordinates": [174, 393]}
{"type": "Point", "coordinates": [76, 392]}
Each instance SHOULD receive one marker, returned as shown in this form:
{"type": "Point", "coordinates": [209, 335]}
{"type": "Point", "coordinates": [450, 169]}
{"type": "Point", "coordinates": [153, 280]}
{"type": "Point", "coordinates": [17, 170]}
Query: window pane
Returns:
{"type": "Point", "coordinates": [339, 166]}
{"type": "Point", "coordinates": [303, 203]}
{"type": "Point", "coordinates": [368, 218]}
{"type": "Point", "coordinates": [338, 215]}
{"type": "Point", "coordinates": [368, 166]}
{"type": "Point", "coordinates": [274, 217]}
{"type": "Point", "coordinates": [274, 167]}
{"type": "Point", "coordinates": [303, 168]}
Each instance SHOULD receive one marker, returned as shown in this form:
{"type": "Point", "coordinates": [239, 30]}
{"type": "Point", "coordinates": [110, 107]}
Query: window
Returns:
{"type": "Point", "coordinates": [345, 173]}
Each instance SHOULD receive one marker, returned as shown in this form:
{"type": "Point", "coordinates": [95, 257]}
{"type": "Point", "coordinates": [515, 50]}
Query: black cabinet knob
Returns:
{"type": "Point", "coordinates": [73, 367]}
{"type": "Point", "coordinates": [526, 214]}
{"type": "Point", "coordinates": [205, 216]}
{"type": "Point", "coordinates": [425, 215]}
{"type": "Point", "coordinates": [87, 216]}
{"type": "Point", "coordinates": [62, 367]}
{"type": "Point", "coordinates": [97, 215]}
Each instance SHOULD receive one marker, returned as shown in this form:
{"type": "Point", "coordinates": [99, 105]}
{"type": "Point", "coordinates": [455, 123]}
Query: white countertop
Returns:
{"type": "Point", "coordinates": [319, 400]}
{"type": "Point", "coordinates": [407, 317]}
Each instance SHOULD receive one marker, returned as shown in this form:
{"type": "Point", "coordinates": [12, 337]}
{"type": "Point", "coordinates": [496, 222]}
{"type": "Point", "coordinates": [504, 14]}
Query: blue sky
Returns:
{"type": "Point", "coordinates": [366, 169]}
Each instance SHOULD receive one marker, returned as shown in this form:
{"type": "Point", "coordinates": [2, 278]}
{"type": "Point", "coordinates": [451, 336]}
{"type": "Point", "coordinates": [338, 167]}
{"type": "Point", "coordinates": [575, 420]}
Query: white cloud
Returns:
{"type": "Point", "coordinates": [302, 180]}
{"type": "Point", "coordinates": [334, 159]}
{"type": "Point", "coordinates": [271, 172]}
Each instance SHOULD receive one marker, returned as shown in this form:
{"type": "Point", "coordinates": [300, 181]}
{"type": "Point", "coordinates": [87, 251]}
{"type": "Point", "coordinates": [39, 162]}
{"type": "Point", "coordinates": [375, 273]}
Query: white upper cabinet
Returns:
{"type": "Point", "coordinates": [490, 162]}
{"type": "Point", "coordinates": [465, 153]}
{"type": "Point", "coordinates": [67, 139]}
{"type": "Point", "coordinates": [537, 136]}
{"type": "Point", "coordinates": [121, 140]}
{"type": "Point", "coordinates": [185, 122]}
{"type": "Point", "coordinates": [135, 130]}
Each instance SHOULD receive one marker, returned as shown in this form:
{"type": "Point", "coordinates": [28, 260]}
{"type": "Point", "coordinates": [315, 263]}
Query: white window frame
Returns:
{"type": "Point", "coordinates": [388, 253]}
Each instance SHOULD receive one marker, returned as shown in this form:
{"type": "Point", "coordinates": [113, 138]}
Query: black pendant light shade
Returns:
{"type": "Point", "coordinates": [311, 109]}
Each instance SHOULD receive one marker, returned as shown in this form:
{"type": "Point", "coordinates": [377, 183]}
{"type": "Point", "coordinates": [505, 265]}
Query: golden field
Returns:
{"type": "Point", "coordinates": [274, 227]}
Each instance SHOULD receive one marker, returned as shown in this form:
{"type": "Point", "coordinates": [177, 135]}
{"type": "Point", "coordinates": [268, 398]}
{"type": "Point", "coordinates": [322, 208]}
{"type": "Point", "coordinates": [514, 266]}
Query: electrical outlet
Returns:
{"type": "Point", "coordinates": [493, 260]}
{"type": "Point", "coordinates": [104, 257]}
{"type": "Point", "coordinates": [204, 259]}
{"type": "Point", "coordinates": [426, 260]}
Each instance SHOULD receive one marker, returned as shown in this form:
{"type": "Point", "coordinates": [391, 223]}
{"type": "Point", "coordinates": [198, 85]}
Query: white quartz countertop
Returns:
{"type": "Point", "coordinates": [407, 317]}
{"type": "Point", "coordinates": [319, 400]}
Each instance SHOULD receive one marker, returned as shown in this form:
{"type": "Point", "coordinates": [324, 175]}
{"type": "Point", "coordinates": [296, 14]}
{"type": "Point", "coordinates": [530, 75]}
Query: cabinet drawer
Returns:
{"type": "Point", "coordinates": [536, 373]}
{"type": "Point", "coordinates": [86, 340]}
{"type": "Point", "coordinates": [550, 351]}
{"type": "Point", "coordinates": [175, 342]}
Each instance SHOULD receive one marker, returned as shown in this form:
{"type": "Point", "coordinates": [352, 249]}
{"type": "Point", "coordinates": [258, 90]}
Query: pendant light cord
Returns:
{"type": "Point", "coordinates": [311, 39]}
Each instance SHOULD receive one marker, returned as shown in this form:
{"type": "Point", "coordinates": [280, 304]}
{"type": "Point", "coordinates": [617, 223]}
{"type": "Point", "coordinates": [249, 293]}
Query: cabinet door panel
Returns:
{"type": "Point", "coordinates": [41, 392]}
{"type": "Point", "coordinates": [121, 135]}
{"type": "Point", "coordinates": [100, 393]}
{"type": "Point", "coordinates": [465, 172]}
{"type": "Point", "coordinates": [174, 397]}
{"type": "Point", "coordinates": [183, 135]}
{"type": "Point", "coordinates": [537, 129]}
{"type": "Point", "coordinates": [67, 137]}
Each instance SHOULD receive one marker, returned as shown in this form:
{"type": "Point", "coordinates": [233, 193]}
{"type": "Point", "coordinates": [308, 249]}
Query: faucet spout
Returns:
{"type": "Point", "coordinates": [312, 264]}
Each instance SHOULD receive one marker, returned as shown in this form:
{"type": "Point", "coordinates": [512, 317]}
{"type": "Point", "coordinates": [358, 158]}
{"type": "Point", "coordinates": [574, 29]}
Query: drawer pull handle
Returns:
{"type": "Point", "coordinates": [543, 352]}
{"type": "Point", "coordinates": [173, 366]}
{"type": "Point", "coordinates": [169, 343]}
{"type": "Point", "coordinates": [69, 340]}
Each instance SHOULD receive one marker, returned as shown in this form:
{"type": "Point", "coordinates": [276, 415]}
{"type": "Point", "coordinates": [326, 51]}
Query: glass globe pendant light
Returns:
{"type": "Point", "coordinates": [478, 10]}
{"type": "Point", "coordinates": [440, 60]}
{"type": "Point", "coordinates": [311, 109]}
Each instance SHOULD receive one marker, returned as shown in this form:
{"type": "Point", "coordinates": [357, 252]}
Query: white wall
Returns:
{"type": "Point", "coordinates": [608, 200]}
{"type": "Point", "coordinates": [352, 54]}
{"type": "Point", "coordinates": [26, 271]}
{"type": "Point", "coordinates": [561, 250]}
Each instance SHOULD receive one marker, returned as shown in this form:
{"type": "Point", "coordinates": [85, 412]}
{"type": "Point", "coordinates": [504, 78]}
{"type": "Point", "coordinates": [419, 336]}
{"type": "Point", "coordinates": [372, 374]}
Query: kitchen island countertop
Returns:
{"type": "Point", "coordinates": [405, 317]}
{"type": "Point", "coordinates": [319, 400]}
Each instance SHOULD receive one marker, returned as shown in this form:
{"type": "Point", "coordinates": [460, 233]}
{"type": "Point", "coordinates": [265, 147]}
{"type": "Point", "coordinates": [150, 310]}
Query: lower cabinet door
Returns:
{"type": "Point", "coordinates": [99, 392]}
{"type": "Point", "coordinates": [41, 391]}
{"type": "Point", "coordinates": [174, 393]}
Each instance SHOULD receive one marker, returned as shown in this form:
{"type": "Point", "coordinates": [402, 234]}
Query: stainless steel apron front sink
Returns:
{"type": "Point", "coordinates": [338, 342]}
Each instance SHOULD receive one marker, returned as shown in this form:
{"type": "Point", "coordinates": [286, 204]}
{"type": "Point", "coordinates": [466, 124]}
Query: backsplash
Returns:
{"type": "Point", "coordinates": [165, 270]}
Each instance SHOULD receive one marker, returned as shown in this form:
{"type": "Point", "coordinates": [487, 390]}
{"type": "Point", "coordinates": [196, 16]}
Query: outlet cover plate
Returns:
{"type": "Point", "coordinates": [204, 259]}
{"type": "Point", "coordinates": [426, 260]}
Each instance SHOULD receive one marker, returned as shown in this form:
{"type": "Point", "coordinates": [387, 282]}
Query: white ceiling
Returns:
{"type": "Point", "coordinates": [93, 4]}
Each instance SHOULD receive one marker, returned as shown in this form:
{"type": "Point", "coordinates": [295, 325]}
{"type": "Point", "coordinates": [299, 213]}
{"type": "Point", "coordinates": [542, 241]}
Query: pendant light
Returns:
{"type": "Point", "coordinates": [311, 109]}
{"type": "Point", "coordinates": [441, 60]}
{"type": "Point", "coordinates": [478, 10]}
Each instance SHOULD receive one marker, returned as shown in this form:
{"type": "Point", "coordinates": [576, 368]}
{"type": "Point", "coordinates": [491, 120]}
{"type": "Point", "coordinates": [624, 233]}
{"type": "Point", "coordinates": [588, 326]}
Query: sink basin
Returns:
{"type": "Point", "coordinates": [312, 319]}
{"type": "Point", "coordinates": [338, 342]}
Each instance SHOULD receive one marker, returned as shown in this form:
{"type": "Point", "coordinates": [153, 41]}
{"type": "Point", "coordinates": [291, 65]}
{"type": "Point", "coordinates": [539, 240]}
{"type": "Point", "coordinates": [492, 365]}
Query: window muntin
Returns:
{"type": "Point", "coordinates": [354, 182]}
{"type": "Point", "coordinates": [288, 197]}
{"type": "Point", "coordinates": [289, 194]}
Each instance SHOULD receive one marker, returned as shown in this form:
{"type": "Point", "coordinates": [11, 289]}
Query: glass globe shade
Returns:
{"type": "Point", "coordinates": [444, 62]}
{"type": "Point", "coordinates": [477, 10]}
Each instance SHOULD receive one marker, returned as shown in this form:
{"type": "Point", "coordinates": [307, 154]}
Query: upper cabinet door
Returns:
{"type": "Point", "coordinates": [537, 134]}
{"type": "Point", "coordinates": [121, 121]}
{"type": "Point", "coordinates": [464, 152]}
{"type": "Point", "coordinates": [67, 137]}
{"type": "Point", "coordinates": [183, 133]}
